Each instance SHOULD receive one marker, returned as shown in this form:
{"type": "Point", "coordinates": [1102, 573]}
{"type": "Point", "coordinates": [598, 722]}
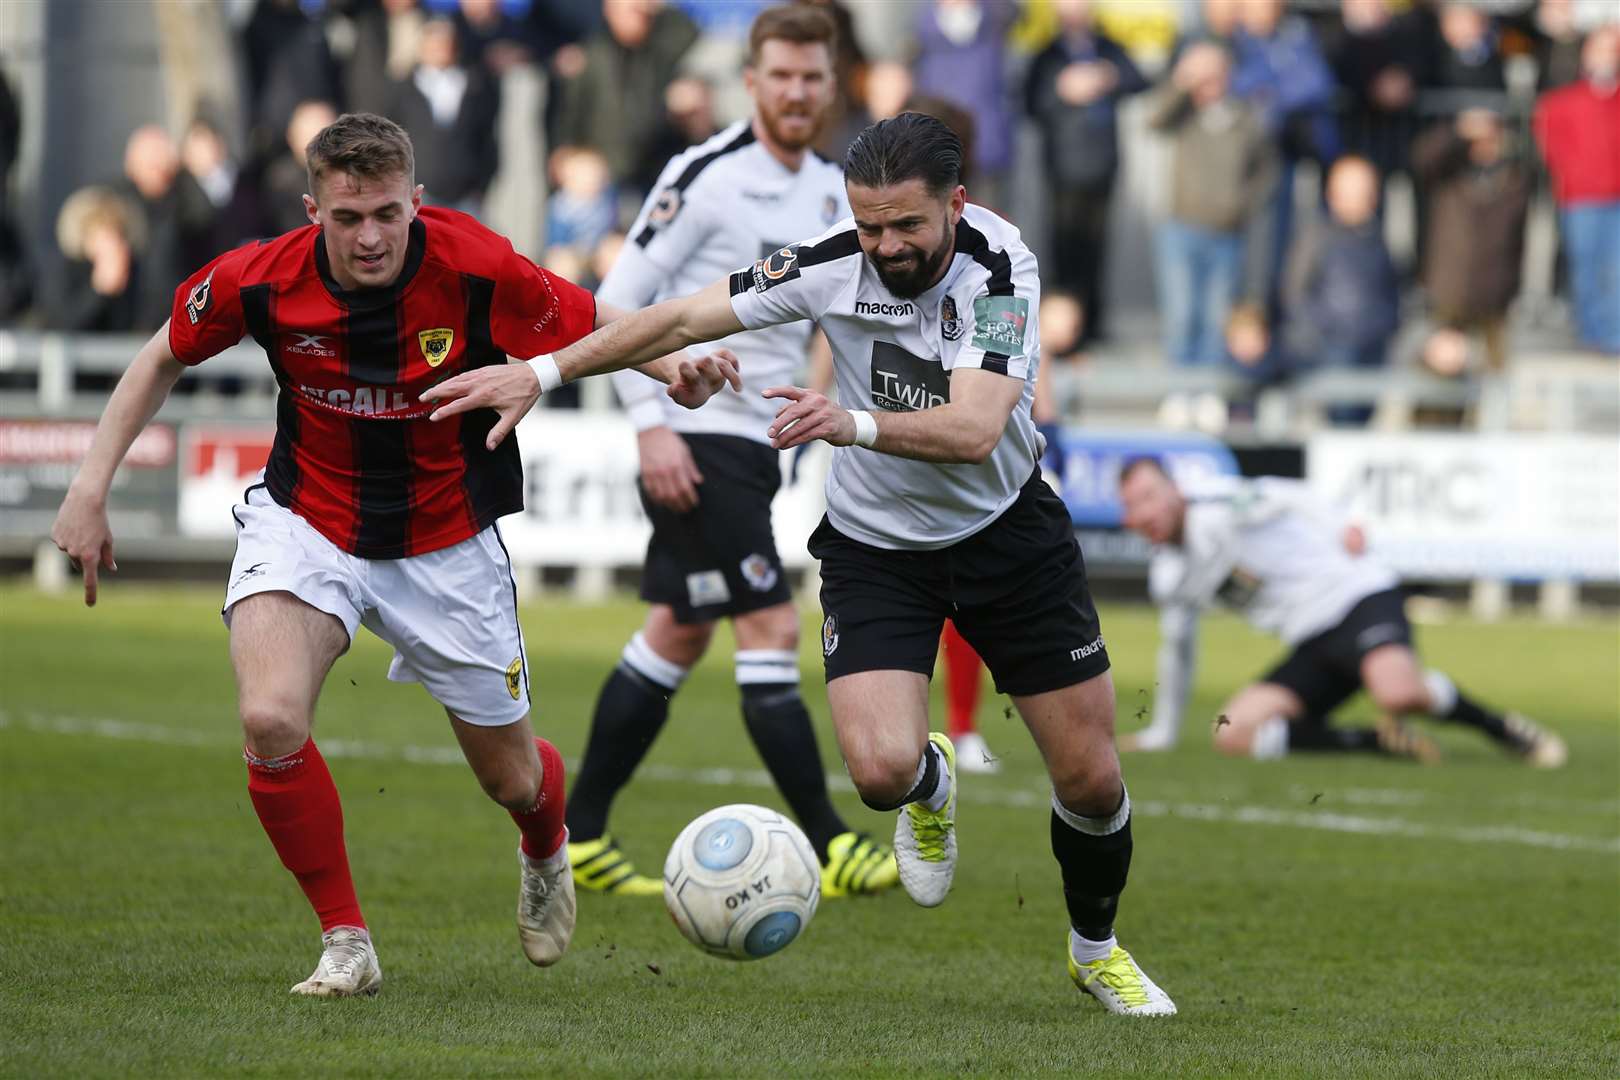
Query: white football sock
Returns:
{"type": "Point", "coordinates": [1084, 950]}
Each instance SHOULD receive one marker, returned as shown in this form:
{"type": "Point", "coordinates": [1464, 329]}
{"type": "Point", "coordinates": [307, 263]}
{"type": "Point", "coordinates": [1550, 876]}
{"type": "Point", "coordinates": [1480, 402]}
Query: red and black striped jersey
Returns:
{"type": "Point", "coordinates": [354, 453]}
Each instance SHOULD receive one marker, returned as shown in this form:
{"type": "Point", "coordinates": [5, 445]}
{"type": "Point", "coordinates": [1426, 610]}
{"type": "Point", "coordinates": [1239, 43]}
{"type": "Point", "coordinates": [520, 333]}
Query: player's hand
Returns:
{"type": "Point", "coordinates": [668, 472]}
{"type": "Point", "coordinates": [509, 389]}
{"type": "Point", "coordinates": [698, 380]}
{"type": "Point", "coordinates": [82, 531]}
{"type": "Point", "coordinates": [1355, 540]}
{"type": "Point", "coordinates": [808, 416]}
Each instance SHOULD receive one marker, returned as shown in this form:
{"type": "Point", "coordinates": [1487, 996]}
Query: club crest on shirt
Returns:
{"type": "Point", "coordinates": [664, 208]}
{"type": "Point", "coordinates": [514, 677]}
{"type": "Point", "coordinates": [435, 344]}
{"type": "Point", "coordinates": [758, 572]}
{"type": "Point", "coordinates": [779, 266]}
{"type": "Point", "coordinates": [829, 210]}
{"type": "Point", "coordinates": [950, 323]}
{"type": "Point", "coordinates": [199, 298]}
{"type": "Point", "coordinates": [829, 635]}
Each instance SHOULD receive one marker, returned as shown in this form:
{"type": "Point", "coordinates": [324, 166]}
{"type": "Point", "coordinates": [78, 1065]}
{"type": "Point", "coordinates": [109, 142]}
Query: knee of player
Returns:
{"type": "Point", "coordinates": [513, 789]}
{"type": "Point", "coordinates": [1089, 787]}
{"type": "Point", "coordinates": [771, 628]}
{"type": "Point", "coordinates": [883, 780]}
{"type": "Point", "coordinates": [273, 726]}
{"type": "Point", "coordinates": [1401, 698]}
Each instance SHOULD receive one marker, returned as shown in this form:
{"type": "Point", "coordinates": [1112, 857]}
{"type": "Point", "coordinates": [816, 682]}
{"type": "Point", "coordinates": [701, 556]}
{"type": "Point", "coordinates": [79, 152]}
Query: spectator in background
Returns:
{"type": "Point", "coordinates": [495, 40]}
{"type": "Point", "coordinates": [178, 220]}
{"type": "Point", "coordinates": [1349, 294]}
{"type": "Point", "coordinates": [962, 57]}
{"type": "Point", "coordinates": [208, 161]}
{"type": "Point", "coordinates": [98, 231]}
{"type": "Point", "coordinates": [1280, 72]}
{"type": "Point", "coordinates": [1465, 52]}
{"type": "Point", "coordinates": [288, 61]}
{"type": "Point", "coordinates": [1380, 59]}
{"type": "Point", "coordinates": [609, 92]}
{"type": "Point", "coordinates": [449, 108]}
{"type": "Point", "coordinates": [849, 69]}
{"type": "Point", "coordinates": [1479, 198]}
{"type": "Point", "coordinates": [688, 120]}
{"type": "Point", "coordinates": [16, 277]}
{"type": "Point", "coordinates": [1073, 92]}
{"type": "Point", "coordinates": [583, 206]}
{"type": "Point", "coordinates": [287, 178]}
{"type": "Point", "coordinates": [387, 41]}
{"type": "Point", "coordinates": [1223, 169]}
{"type": "Point", "coordinates": [1557, 44]}
{"type": "Point", "coordinates": [1578, 129]}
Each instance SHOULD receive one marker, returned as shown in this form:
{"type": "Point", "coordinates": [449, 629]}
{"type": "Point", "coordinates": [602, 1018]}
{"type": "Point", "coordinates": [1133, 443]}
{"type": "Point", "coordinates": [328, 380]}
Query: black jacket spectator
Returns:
{"type": "Point", "coordinates": [609, 94]}
{"type": "Point", "coordinates": [449, 109]}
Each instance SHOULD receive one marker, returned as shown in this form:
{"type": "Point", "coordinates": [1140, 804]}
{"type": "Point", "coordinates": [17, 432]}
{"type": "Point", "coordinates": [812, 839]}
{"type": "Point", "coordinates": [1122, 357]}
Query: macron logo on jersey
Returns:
{"type": "Point", "coordinates": [870, 307]}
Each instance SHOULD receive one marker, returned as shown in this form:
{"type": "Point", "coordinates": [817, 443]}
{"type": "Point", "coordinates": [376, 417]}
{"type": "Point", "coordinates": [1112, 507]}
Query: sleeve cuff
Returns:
{"type": "Point", "coordinates": [647, 413]}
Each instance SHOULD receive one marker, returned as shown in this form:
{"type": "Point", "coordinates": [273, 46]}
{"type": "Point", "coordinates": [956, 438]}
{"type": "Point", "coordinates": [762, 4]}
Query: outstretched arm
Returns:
{"type": "Point", "coordinates": [81, 528]}
{"type": "Point", "coordinates": [631, 341]}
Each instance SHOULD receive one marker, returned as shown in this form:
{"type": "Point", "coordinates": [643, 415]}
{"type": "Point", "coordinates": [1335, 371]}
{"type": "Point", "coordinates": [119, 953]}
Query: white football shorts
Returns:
{"type": "Point", "coordinates": [451, 614]}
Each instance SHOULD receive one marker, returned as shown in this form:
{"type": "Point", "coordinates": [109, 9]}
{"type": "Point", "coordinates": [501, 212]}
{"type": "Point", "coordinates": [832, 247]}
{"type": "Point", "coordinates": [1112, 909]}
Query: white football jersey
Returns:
{"type": "Point", "coordinates": [1271, 551]}
{"type": "Point", "coordinates": [719, 205]}
{"type": "Point", "coordinates": [897, 355]}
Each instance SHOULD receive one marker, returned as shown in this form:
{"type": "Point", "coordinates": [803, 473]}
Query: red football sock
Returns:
{"type": "Point", "coordinates": [542, 824]}
{"type": "Point", "coordinates": [963, 672]}
{"type": "Point", "coordinates": [297, 804]}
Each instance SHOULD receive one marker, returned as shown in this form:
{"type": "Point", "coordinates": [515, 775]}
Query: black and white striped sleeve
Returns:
{"type": "Point", "coordinates": [1001, 329]}
{"type": "Point", "coordinates": [797, 282]}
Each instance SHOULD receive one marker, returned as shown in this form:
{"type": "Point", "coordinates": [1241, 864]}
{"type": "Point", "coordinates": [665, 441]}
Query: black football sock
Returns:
{"type": "Point", "coordinates": [1094, 855]}
{"type": "Point", "coordinates": [1449, 703]}
{"type": "Point", "coordinates": [779, 725]}
{"type": "Point", "coordinates": [630, 712]}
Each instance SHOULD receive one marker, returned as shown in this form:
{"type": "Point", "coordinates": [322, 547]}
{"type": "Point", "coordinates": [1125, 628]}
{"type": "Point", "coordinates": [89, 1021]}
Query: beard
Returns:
{"type": "Point", "coordinates": [785, 139]}
{"type": "Point", "coordinates": [916, 274]}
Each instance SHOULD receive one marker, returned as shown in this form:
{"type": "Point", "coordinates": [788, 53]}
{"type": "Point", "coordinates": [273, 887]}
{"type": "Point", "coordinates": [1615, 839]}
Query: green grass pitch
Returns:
{"type": "Point", "coordinates": [1314, 917]}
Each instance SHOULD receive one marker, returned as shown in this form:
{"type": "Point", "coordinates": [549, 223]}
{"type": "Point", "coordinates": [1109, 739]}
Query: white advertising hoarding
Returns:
{"type": "Point", "coordinates": [1517, 507]}
{"type": "Point", "coordinates": [579, 475]}
{"type": "Point", "coordinates": [580, 502]}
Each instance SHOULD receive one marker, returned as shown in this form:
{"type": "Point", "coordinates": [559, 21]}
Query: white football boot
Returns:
{"type": "Point", "coordinates": [348, 966]}
{"type": "Point", "coordinates": [973, 754]}
{"type": "Point", "coordinates": [545, 911]}
{"type": "Point", "coordinates": [925, 840]}
{"type": "Point", "coordinates": [1120, 984]}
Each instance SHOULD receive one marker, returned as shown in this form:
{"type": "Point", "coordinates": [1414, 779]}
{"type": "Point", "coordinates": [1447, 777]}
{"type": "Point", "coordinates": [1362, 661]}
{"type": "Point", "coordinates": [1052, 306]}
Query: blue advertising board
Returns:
{"type": "Point", "coordinates": [1091, 460]}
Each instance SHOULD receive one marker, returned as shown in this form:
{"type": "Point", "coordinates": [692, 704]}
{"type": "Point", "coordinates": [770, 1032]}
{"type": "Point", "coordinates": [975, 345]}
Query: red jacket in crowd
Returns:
{"type": "Point", "coordinates": [1579, 132]}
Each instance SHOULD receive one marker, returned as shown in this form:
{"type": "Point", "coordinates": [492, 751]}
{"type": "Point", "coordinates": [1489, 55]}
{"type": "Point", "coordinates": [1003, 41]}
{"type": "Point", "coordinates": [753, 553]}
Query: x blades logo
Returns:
{"type": "Point", "coordinates": [311, 344]}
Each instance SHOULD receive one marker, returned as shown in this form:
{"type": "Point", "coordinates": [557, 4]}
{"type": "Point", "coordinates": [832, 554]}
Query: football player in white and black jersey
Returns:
{"type": "Point", "coordinates": [1270, 550]}
{"type": "Point", "coordinates": [935, 509]}
{"type": "Point", "coordinates": [707, 486]}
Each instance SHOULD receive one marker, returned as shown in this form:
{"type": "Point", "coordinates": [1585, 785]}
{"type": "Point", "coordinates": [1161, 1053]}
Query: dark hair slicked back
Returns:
{"type": "Point", "coordinates": [911, 146]}
{"type": "Point", "coordinates": [360, 144]}
{"type": "Point", "coordinates": [801, 24]}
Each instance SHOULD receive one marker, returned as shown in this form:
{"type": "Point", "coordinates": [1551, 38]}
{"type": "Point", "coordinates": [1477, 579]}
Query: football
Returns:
{"type": "Point", "coordinates": [742, 882]}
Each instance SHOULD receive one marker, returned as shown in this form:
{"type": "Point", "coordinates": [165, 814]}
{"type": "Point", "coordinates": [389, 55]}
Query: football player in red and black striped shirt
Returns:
{"type": "Point", "coordinates": [369, 511]}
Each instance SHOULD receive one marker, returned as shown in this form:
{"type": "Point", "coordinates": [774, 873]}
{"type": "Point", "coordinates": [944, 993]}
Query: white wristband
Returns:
{"type": "Point", "coordinates": [545, 369]}
{"type": "Point", "coordinates": [866, 429]}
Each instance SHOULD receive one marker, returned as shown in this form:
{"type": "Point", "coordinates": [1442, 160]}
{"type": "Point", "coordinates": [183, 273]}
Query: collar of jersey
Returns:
{"type": "Point", "coordinates": [415, 248]}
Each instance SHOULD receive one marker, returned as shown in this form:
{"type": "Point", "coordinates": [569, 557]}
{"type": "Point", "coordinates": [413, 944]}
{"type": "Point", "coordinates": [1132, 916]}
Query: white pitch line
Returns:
{"type": "Point", "coordinates": [1323, 821]}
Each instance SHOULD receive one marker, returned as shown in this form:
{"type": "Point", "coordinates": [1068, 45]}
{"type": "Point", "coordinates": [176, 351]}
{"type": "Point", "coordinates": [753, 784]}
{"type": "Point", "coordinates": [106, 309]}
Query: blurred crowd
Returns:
{"type": "Point", "coordinates": [1286, 127]}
